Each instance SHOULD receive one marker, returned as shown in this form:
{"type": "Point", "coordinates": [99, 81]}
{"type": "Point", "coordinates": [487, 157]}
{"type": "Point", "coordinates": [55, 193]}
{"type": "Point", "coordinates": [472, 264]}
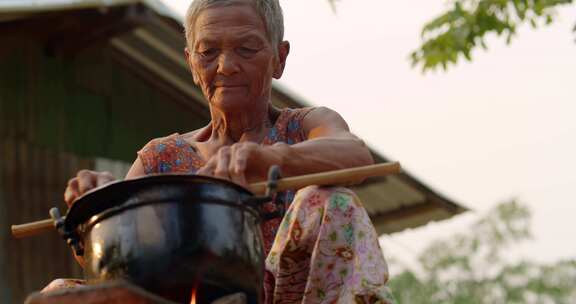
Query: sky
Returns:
{"type": "Point", "coordinates": [498, 128]}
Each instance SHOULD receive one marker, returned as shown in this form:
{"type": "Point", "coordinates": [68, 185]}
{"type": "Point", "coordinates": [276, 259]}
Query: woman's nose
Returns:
{"type": "Point", "coordinates": [227, 64]}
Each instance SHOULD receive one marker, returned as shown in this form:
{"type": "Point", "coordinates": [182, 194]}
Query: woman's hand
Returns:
{"type": "Point", "coordinates": [242, 162]}
{"type": "Point", "coordinates": [84, 181]}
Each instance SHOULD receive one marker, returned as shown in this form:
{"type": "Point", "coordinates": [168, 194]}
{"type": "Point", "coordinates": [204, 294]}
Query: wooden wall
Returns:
{"type": "Point", "coordinates": [86, 104]}
{"type": "Point", "coordinates": [57, 115]}
{"type": "Point", "coordinates": [32, 181]}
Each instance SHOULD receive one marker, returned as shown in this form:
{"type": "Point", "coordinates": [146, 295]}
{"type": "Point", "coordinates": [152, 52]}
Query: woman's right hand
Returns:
{"type": "Point", "coordinates": [84, 181]}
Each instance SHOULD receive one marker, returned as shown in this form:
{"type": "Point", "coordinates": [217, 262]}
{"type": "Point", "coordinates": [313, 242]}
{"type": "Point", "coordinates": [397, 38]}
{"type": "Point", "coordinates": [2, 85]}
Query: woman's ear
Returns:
{"type": "Point", "coordinates": [283, 51]}
{"type": "Point", "coordinates": [188, 56]}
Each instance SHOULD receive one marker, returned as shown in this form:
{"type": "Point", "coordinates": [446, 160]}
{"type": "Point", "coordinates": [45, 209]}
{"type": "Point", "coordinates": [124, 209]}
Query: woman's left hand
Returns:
{"type": "Point", "coordinates": [242, 162]}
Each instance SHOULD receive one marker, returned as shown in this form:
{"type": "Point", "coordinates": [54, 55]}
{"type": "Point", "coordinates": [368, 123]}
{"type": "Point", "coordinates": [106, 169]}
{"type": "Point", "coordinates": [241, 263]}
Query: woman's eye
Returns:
{"type": "Point", "coordinates": [246, 51]}
{"type": "Point", "coordinates": [207, 52]}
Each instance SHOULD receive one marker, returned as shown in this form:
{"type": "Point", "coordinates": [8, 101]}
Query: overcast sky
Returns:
{"type": "Point", "coordinates": [501, 127]}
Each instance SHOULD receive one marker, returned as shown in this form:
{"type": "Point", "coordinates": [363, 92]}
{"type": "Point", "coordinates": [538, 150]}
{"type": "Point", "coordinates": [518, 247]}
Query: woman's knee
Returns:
{"type": "Point", "coordinates": [327, 190]}
{"type": "Point", "coordinates": [317, 196]}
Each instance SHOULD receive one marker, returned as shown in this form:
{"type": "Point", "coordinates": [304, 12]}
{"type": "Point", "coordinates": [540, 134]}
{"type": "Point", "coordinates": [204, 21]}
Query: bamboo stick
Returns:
{"type": "Point", "coordinates": [337, 177]}
{"type": "Point", "coordinates": [32, 228]}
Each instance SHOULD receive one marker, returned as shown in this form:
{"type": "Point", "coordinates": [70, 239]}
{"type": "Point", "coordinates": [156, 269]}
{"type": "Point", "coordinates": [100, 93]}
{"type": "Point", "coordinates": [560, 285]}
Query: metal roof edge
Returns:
{"type": "Point", "coordinates": [416, 183]}
{"type": "Point", "coordinates": [434, 196]}
{"type": "Point", "coordinates": [35, 6]}
{"type": "Point", "coordinates": [32, 6]}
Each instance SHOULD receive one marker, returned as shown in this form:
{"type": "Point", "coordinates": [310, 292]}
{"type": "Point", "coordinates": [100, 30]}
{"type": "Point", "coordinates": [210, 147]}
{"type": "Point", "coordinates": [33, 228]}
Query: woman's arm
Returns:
{"type": "Point", "coordinates": [330, 146]}
{"type": "Point", "coordinates": [136, 170]}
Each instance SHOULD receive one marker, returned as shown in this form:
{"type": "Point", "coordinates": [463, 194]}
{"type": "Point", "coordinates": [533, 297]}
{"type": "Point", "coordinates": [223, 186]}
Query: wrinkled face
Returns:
{"type": "Point", "coordinates": [231, 58]}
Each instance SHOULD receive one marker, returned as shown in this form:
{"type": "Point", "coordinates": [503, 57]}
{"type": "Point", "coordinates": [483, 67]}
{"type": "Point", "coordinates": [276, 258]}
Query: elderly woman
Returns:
{"type": "Point", "coordinates": [325, 249]}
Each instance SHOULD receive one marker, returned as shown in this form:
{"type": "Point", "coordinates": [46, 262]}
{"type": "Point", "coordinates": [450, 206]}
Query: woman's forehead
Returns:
{"type": "Point", "coordinates": [237, 19]}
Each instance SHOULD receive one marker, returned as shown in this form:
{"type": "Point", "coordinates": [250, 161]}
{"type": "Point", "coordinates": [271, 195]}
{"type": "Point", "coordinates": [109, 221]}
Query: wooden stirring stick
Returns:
{"type": "Point", "coordinates": [337, 177]}
{"type": "Point", "coordinates": [32, 228]}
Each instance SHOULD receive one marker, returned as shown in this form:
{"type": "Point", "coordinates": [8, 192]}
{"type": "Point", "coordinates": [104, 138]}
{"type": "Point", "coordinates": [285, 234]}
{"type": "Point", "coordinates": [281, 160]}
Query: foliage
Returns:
{"type": "Point", "coordinates": [333, 4]}
{"type": "Point", "coordinates": [473, 267]}
{"type": "Point", "coordinates": [465, 25]}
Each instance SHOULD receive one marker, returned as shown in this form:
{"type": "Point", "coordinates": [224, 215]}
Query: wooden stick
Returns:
{"type": "Point", "coordinates": [33, 228]}
{"type": "Point", "coordinates": [337, 177]}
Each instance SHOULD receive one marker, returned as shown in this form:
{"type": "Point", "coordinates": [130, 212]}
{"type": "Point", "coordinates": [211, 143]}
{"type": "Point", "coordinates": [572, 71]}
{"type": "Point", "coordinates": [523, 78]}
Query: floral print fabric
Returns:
{"type": "Point", "coordinates": [324, 250]}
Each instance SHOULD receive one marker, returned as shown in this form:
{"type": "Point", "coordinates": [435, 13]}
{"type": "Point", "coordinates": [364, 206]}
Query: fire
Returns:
{"type": "Point", "coordinates": [193, 296]}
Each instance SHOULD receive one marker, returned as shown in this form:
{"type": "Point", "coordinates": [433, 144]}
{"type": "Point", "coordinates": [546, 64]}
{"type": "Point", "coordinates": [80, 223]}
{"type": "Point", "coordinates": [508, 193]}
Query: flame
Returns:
{"type": "Point", "coordinates": [193, 296]}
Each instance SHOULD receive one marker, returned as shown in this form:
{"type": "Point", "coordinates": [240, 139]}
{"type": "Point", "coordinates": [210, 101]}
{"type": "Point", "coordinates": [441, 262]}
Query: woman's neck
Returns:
{"type": "Point", "coordinates": [237, 126]}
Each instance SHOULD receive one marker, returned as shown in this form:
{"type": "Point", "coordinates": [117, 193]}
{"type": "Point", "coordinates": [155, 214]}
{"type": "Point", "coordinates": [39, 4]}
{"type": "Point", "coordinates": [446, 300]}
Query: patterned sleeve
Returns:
{"type": "Point", "coordinates": [149, 155]}
{"type": "Point", "coordinates": [169, 154]}
{"type": "Point", "coordinates": [295, 128]}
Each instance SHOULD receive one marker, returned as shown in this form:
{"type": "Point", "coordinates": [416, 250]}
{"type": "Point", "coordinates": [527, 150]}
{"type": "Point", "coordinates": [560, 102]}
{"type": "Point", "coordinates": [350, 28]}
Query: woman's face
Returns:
{"type": "Point", "coordinates": [231, 58]}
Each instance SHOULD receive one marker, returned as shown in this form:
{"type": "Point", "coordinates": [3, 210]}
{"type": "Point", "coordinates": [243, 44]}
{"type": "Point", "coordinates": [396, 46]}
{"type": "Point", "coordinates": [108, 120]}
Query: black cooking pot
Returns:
{"type": "Point", "coordinates": [171, 234]}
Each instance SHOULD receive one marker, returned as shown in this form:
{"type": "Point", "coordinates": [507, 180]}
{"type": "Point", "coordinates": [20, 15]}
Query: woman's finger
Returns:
{"type": "Point", "coordinates": [71, 192]}
{"type": "Point", "coordinates": [237, 166]}
{"type": "Point", "coordinates": [104, 178]}
{"type": "Point", "coordinates": [208, 168]}
{"type": "Point", "coordinates": [86, 181]}
{"type": "Point", "coordinates": [223, 159]}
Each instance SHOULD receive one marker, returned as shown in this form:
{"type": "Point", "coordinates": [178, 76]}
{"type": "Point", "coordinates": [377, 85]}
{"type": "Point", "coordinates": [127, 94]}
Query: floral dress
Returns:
{"type": "Point", "coordinates": [324, 250]}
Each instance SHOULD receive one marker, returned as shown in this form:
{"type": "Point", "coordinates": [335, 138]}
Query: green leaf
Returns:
{"type": "Point", "coordinates": [467, 55]}
{"type": "Point", "coordinates": [463, 27]}
{"type": "Point", "coordinates": [509, 37]}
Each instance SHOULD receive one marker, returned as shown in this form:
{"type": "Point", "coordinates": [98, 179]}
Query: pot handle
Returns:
{"type": "Point", "coordinates": [67, 234]}
{"type": "Point", "coordinates": [271, 190]}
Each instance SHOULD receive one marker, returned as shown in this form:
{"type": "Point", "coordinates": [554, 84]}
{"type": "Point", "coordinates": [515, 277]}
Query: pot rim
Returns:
{"type": "Point", "coordinates": [72, 221]}
{"type": "Point", "coordinates": [95, 219]}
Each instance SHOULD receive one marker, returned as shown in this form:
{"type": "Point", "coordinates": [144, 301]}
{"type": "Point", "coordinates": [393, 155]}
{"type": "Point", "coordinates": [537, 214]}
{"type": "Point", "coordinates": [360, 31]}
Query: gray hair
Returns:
{"type": "Point", "coordinates": [269, 10]}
